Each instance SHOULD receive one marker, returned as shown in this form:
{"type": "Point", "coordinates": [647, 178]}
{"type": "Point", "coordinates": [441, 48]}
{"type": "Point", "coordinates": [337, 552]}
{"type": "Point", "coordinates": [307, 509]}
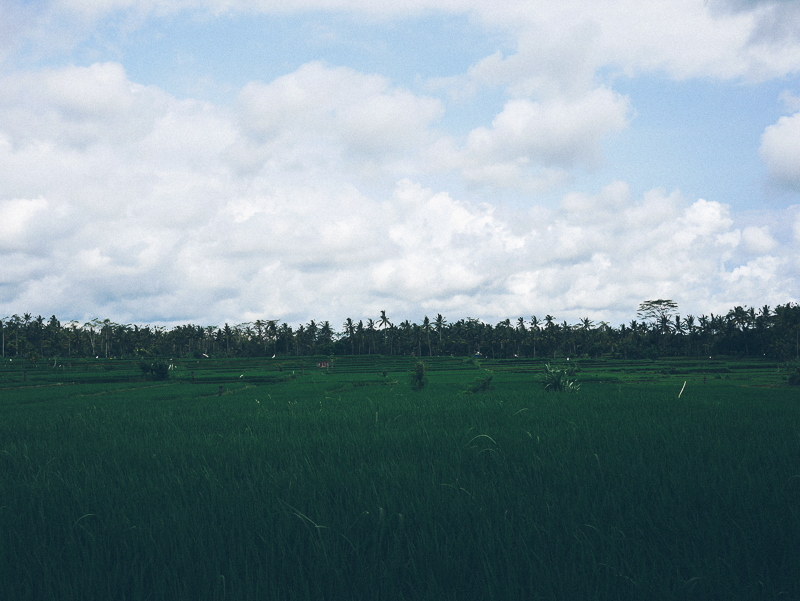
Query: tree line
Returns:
{"type": "Point", "coordinates": [658, 330]}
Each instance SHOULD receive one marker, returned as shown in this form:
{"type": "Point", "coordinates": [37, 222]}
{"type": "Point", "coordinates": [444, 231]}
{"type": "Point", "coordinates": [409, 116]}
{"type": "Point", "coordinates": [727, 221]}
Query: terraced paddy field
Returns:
{"type": "Point", "coordinates": [278, 479]}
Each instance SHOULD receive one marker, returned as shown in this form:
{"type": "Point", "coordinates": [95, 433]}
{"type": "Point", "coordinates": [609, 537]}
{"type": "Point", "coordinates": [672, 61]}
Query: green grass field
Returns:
{"type": "Point", "coordinates": [344, 483]}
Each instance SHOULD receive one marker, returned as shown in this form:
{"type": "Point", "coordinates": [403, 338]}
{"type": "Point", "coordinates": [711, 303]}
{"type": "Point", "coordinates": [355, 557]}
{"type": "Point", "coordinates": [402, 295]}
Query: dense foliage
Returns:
{"type": "Point", "coordinates": [659, 331]}
{"type": "Point", "coordinates": [560, 379]}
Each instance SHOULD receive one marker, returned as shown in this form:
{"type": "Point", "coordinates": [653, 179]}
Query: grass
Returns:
{"type": "Point", "coordinates": [350, 485]}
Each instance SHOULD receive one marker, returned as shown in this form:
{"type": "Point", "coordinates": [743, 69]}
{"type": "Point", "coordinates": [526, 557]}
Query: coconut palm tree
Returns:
{"type": "Point", "coordinates": [371, 333]}
{"type": "Point", "coordinates": [360, 333]}
{"type": "Point", "coordinates": [534, 328]}
{"type": "Point", "coordinates": [440, 322]}
{"type": "Point", "coordinates": [383, 323]}
{"type": "Point", "coordinates": [3, 323]}
{"type": "Point", "coordinates": [426, 328]}
{"type": "Point", "coordinates": [404, 334]}
{"type": "Point", "coordinates": [522, 332]}
{"type": "Point", "coordinates": [311, 332]}
{"type": "Point", "coordinates": [392, 331]}
{"type": "Point", "coordinates": [325, 336]}
{"type": "Point", "coordinates": [417, 331]}
{"type": "Point", "coordinates": [349, 330]}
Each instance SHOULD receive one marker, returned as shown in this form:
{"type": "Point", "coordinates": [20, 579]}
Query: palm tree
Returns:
{"type": "Point", "coordinates": [350, 331]}
{"type": "Point", "coordinates": [426, 327]}
{"type": "Point", "coordinates": [209, 332]}
{"type": "Point", "coordinates": [440, 322]}
{"type": "Point", "coordinates": [26, 318]}
{"type": "Point", "coordinates": [534, 328]}
{"type": "Point", "coordinates": [689, 327]}
{"type": "Point", "coordinates": [418, 337]}
{"type": "Point", "coordinates": [384, 323]}
{"type": "Point", "coordinates": [371, 330]}
{"type": "Point", "coordinates": [360, 333]}
{"type": "Point", "coordinates": [569, 337]}
{"type": "Point", "coordinates": [311, 332]}
{"type": "Point", "coordinates": [2, 327]}
{"type": "Point", "coordinates": [405, 333]}
{"type": "Point", "coordinates": [502, 333]}
{"type": "Point", "coordinates": [521, 331]}
{"type": "Point", "coordinates": [392, 329]}
{"type": "Point", "coordinates": [285, 332]}
{"type": "Point", "coordinates": [16, 320]}
{"type": "Point", "coordinates": [261, 332]}
{"type": "Point", "coordinates": [325, 336]}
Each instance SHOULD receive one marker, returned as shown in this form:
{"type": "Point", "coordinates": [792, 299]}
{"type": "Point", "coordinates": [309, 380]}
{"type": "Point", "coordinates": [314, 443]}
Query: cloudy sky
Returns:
{"type": "Point", "coordinates": [210, 161]}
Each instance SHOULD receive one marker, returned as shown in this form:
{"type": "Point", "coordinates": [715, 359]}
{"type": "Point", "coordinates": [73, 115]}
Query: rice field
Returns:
{"type": "Point", "coordinates": [259, 479]}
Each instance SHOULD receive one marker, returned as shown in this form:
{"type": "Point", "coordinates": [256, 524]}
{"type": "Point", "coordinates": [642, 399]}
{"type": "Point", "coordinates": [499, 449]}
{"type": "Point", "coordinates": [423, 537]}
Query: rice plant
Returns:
{"type": "Point", "coordinates": [328, 486]}
{"type": "Point", "coordinates": [560, 379]}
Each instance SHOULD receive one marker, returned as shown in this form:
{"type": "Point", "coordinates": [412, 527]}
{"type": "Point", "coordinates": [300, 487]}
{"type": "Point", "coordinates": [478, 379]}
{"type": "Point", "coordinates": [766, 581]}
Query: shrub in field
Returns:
{"type": "Point", "coordinates": [794, 379]}
{"type": "Point", "coordinates": [156, 370]}
{"type": "Point", "coordinates": [418, 379]}
{"type": "Point", "coordinates": [481, 384]}
{"type": "Point", "coordinates": [556, 379]}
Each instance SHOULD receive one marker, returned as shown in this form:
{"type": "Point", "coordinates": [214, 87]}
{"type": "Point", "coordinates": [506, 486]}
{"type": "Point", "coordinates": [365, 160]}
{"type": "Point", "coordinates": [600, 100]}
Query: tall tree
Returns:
{"type": "Point", "coordinates": [426, 328]}
{"type": "Point", "coordinates": [360, 333]}
{"type": "Point", "coordinates": [521, 332]}
{"type": "Point", "coordinates": [657, 312]}
{"type": "Point", "coordinates": [349, 329]}
{"type": "Point", "coordinates": [3, 323]}
{"type": "Point", "coordinates": [383, 323]}
{"type": "Point", "coordinates": [371, 334]}
{"type": "Point", "coordinates": [534, 330]}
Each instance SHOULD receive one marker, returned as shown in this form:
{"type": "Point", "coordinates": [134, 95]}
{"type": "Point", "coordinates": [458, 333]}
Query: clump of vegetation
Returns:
{"type": "Point", "coordinates": [794, 379]}
{"type": "Point", "coordinates": [560, 379]}
{"type": "Point", "coordinates": [155, 370]}
{"type": "Point", "coordinates": [482, 384]}
{"type": "Point", "coordinates": [418, 379]}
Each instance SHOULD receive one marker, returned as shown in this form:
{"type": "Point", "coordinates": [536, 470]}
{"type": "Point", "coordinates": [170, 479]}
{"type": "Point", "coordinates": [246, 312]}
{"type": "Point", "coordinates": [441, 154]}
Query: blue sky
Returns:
{"type": "Point", "coordinates": [213, 161]}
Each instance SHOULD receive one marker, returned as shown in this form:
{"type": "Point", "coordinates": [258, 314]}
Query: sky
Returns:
{"type": "Point", "coordinates": [223, 161]}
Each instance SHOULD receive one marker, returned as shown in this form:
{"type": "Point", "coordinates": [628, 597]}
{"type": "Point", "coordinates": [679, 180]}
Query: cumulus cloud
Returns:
{"type": "Point", "coordinates": [560, 46]}
{"type": "Point", "coordinates": [556, 134]}
{"type": "Point", "coordinates": [758, 239]}
{"type": "Point", "coordinates": [780, 150]}
{"type": "Point", "coordinates": [324, 192]}
{"type": "Point", "coordinates": [145, 209]}
{"type": "Point", "coordinates": [339, 112]}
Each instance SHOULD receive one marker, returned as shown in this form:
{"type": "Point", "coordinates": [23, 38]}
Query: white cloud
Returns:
{"type": "Point", "coordinates": [19, 217]}
{"type": "Point", "coordinates": [780, 150]}
{"type": "Point", "coordinates": [533, 144]}
{"type": "Point", "coordinates": [554, 133]}
{"type": "Point", "coordinates": [796, 229]}
{"type": "Point", "coordinates": [560, 46]}
{"type": "Point", "coordinates": [318, 113]}
{"type": "Point", "coordinates": [790, 101]}
{"type": "Point", "coordinates": [121, 200]}
{"type": "Point", "coordinates": [758, 239]}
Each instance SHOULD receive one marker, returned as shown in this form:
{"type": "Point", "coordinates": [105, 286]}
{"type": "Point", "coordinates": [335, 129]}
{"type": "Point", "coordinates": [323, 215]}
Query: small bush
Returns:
{"type": "Point", "coordinates": [556, 380]}
{"type": "Point", "coordinates": [794, 379]}
{"type": "Point", "coordinates": [155, 370]}
{"type": "Point", "coordinates": [418, 379]}
{"type": "Point", "coordinates": [481, 384]}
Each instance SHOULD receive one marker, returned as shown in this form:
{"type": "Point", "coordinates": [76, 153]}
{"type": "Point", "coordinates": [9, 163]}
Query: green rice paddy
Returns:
{"type": "Point", "coordinates": [299, 482]}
